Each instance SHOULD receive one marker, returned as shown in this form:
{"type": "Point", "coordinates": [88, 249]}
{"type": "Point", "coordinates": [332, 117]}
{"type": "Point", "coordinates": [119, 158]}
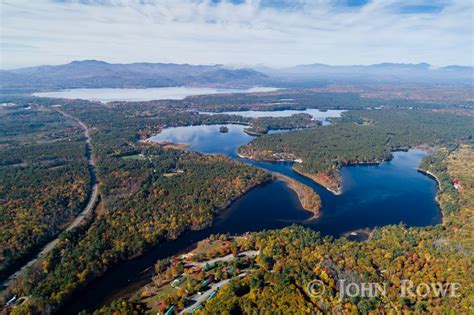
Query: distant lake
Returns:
{"type": "Point", "coordinates": [149, 94]}
{"type": "Point", "coordinates": [316, 113]}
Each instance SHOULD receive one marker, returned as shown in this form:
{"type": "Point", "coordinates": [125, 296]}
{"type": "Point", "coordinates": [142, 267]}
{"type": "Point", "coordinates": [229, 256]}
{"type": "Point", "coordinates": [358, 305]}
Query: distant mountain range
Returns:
{"type": "Point", "coordinates": [97, 74]}
{"type": "Point", "coordinates": [100, 74]}
{"type": "Point", "coordinates": [378, 73]}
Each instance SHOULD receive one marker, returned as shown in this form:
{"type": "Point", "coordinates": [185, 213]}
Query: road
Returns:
{"type": "Point", "coordinates": [199, 299]}
{"type": "Point", "coordinates": [228, 258]}
{"type": "Point", "coordinates": [92, 171]}
{"type": "Point", "coordinates": [80, 217]}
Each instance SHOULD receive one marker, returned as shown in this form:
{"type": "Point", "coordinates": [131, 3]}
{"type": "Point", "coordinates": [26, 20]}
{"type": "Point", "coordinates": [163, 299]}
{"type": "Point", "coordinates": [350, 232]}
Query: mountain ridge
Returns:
{"type": "Point", "coordinates": [93, 73]}
{"type": "Point", "coordinates": [96, 73]}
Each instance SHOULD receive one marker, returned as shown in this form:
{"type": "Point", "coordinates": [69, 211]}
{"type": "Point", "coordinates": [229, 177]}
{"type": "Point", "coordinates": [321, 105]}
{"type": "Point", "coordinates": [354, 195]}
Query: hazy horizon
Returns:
{"type": "Point", "coordinates": [236, 66]}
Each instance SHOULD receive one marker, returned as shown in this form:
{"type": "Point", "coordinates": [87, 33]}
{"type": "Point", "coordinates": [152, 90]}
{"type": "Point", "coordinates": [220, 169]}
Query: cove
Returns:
{"type": "Point", "coordinates": [251, 212]}
{"type": "Point", "coordinates": [372, 195]}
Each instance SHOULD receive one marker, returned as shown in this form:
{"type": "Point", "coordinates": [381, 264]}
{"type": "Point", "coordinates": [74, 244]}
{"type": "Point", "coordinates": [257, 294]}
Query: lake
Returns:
{"type": "Point", "coordinates": [207, 138]}
{"type": "Point", "coordinates": [372, 195]}
{"type": "Point", "coordinates": [148, 94]}
{"type": "Point", "coordinates": [316, 113]}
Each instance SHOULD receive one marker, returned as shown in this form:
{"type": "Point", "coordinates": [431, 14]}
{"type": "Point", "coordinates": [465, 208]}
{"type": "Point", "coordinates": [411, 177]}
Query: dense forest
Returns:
{"type": "Point", "coordinates": [148, 194]}
{"type": "Point", "coordinates": [366, 136]}
{"type": "Point", "coordinates": [44, 180]}
{"type": "Point", "coordinates": [262, 125]}
{"type": "Point", "coordinates": [276, 280]}
{"type": "Point", "coordinates": [323, 98]}
{"type": "Point", "coordinates": [298, 99]}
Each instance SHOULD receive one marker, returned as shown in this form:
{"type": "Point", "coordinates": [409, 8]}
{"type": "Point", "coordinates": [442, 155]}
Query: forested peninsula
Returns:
{"type": "Point", "coordinates": [359, 137]}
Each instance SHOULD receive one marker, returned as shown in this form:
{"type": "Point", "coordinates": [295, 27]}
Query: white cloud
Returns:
{"type": "Point", "coordinates": [202, 32]}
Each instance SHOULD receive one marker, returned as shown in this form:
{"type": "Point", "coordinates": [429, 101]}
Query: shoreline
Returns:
{"type": "Point", "coordinates": [309, 176]}
{"type": "Point", "coordinates": [359, 235]}
{"type": "Point", "coordinates": [297, 187]}
{"type": "Point", "coordinates": [147, 251]}
{"type": "Point", "coordinates": [438, 190]}
{"type": "Point", "coordinates": [309, 199]}
{"type": "Point", "coordinates": [252, 158]}
{"type": "Point", "coordinates": [301, 190]}
{"type": "Point", "coordinates": [254, 133]}
{"type": "Point", "coordinates": [336, 192]}
{"type": "Point", "coordinates": [431, 175]}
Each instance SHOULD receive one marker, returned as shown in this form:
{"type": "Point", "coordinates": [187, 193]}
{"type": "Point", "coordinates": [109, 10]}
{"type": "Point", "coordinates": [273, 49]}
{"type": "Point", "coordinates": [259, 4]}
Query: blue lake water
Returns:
{"type": "Point", "coordinates": [206, 138]}
{"type": "Point", "coordinates": [373, 195]}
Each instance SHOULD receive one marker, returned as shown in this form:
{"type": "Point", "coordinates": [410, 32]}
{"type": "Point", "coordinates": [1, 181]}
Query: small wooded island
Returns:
{"type": "Point", "coordinates": [223, 129]}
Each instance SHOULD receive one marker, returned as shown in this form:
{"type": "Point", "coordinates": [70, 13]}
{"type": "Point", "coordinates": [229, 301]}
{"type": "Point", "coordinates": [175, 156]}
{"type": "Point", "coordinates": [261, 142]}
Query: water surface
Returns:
{"type": "Point", "coordinates": [316, 113]}
{"type": "Point", "coordinates": [148, 94]}
{"type": "Point", "coordinates": [373, 195]}
{"type": "Point", "coordinates": [392, 192]}
{"type": "Point", "coordinates": [206, 138]}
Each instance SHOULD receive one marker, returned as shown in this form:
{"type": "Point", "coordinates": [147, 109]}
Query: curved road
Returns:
{"type": "Point", "coordinates": [198, 299]}
{"type": "Point", "coordinates": [80, 217]}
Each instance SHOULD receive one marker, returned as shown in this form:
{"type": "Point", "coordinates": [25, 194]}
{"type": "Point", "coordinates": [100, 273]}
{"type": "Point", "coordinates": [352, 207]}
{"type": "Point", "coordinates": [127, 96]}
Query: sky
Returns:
{"type": "Point", "coordinates": [278, 33]}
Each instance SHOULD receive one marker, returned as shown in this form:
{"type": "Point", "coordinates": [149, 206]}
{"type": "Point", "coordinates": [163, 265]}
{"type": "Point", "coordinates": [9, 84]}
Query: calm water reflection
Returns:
{"type": "Point", "coordinates": [207, 138]}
